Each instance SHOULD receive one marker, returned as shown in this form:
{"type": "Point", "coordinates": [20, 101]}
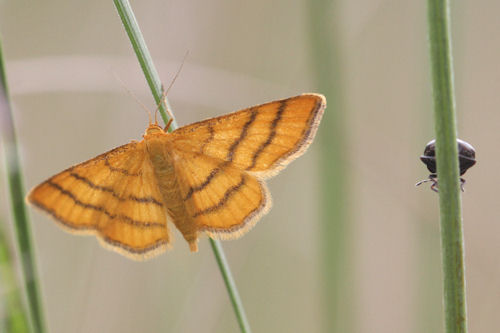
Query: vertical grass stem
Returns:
{"type": "Point", "coordinates": [21, 222]}
{"type": "Point", "coordinates": [452, 242]}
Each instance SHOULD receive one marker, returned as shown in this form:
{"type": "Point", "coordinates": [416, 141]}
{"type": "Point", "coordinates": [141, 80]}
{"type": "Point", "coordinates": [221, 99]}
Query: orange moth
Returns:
{"type": "Point", "coordinates": [204, 177]}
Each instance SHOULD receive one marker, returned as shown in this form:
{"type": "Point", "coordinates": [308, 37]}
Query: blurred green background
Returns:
{"type": "Point", "coordinates": [61, 58]}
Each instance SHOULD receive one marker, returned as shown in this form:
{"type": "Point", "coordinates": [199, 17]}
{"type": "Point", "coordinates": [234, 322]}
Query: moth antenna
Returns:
{"type": "Point", "coordinates": [137, 100]}
{"type": "Point", "coordinates": [177, 74]}
{"type": "Point", "coordinates": [167, 109]}
{"type": "Point", "coordinates": [164, 93]}
{"type": "Point", "coordinates": [157, 108]}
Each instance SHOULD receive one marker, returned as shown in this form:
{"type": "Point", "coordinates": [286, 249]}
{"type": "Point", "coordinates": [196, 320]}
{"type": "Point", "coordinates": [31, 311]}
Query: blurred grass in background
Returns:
{"type": "Point", "coordinates": [24, 241]}
{"type": "Point", "coordinates": [334, 204]}
{"type": "Point", "coordinates": [68, 108]}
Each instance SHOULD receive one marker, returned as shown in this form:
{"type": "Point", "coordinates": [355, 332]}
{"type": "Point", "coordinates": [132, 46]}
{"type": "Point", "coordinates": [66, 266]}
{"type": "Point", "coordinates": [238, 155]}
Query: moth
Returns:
{"type": "Point", "coordinates": [206, 177]}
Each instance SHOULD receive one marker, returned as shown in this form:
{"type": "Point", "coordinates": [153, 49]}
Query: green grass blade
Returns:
{"type": "Point", "coordinates": [337, 294]}
{"type": "Point", "coordinates": [16, 188]}
{"type": "Point", "coordinates": [130, 23]}
{"type": "Point", "coordinates": [452, 243]}
{"type": "Point", "coordinates": [15, 319]}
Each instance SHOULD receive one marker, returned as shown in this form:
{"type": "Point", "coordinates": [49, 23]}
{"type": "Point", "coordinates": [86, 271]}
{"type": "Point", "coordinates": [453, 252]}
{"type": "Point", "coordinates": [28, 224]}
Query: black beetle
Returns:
{"type": "Point", "coordinates": [466, 159]}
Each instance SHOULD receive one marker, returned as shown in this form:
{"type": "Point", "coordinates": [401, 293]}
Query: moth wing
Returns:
{"type": "Point", "coordinates": [221, 199]}
{"type": "Point", "coordinates": [262, 139]}
{"type": "Point", "coordinates": [113, 196]}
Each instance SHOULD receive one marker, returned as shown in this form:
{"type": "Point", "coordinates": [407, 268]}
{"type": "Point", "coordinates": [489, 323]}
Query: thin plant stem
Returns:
{"type": "Point", "coordinates": [452, 242]}
{"type": "Point", "coordinates": [232, 290]}
{"type": "Point", "coordinates": [21, 222]}
{"type": "Point", "coordinates": [334, 205]}
{"type": "Point", "coordinates": [134, 33]}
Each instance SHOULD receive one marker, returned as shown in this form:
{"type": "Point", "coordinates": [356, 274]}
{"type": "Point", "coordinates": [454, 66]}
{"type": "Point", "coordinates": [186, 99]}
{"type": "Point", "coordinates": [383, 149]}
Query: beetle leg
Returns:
{"type": "Point", "coordinates": [434, 185]}
{"type": "Point", "coordinates": [462, 183]}
{"type": "Point", "coordinates": [423, 181]}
